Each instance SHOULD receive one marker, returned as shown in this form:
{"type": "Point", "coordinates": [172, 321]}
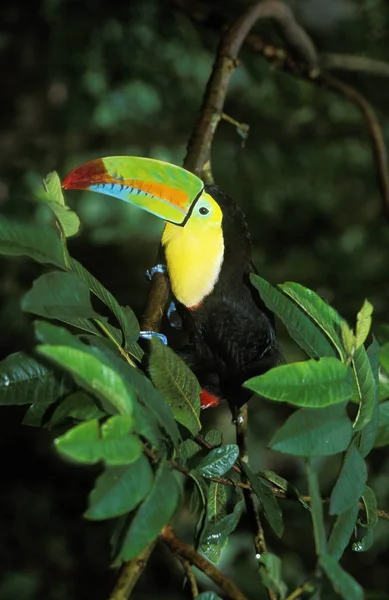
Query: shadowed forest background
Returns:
{"type": "Point", "coordinates": [82, 80]}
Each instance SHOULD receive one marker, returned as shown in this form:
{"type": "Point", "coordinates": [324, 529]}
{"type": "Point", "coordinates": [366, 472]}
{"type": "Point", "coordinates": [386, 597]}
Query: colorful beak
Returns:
{"type": "Point", "coordinates": [158, 187]}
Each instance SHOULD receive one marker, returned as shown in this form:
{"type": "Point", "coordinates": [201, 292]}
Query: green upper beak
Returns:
{"type": "Point", "coordinates": [160, 188]}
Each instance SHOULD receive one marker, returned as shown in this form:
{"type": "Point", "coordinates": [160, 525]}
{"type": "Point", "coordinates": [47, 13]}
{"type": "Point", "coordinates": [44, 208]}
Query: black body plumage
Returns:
{"type": "Point", "coordinates": [232, 334]}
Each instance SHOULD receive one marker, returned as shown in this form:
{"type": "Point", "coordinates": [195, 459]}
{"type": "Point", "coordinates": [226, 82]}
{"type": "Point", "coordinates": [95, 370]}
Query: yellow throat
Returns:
{"type": "Point", "coordinates": [194, 253]}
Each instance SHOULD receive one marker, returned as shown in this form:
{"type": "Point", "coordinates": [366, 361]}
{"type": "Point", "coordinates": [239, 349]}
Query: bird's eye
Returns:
{"type": "Point", "coordinates": [203, 210]}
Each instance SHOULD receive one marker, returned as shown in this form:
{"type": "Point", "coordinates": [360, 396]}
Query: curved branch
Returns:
{"type": "Point", "coordinates": [358, 64]}
{"type": "Point", "coordinates": [182, 550]}
{"type": "Point", "coordinates": [199, 147]}
{"type": "Point", "coordinates": [374, 129]}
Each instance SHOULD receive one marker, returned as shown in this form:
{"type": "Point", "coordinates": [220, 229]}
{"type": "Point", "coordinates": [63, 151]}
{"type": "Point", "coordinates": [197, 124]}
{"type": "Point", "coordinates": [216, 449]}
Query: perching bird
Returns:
{"type": "Point", "coordinates": [208, 255]}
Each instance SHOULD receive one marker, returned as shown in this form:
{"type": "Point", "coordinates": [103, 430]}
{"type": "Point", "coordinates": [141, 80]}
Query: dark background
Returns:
{"type": "Point", "coordinates": [95, 78]}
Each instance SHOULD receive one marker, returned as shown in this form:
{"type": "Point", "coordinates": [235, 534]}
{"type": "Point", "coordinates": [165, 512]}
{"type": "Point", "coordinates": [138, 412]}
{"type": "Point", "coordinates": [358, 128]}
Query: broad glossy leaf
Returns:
{"type": "Point", "coordinates": [114, 444]}
{"type": "Point", "coordinates": [267, 500]}
{"type": "Point", "coordinates": [78, 406]}
{"type": "Point", "coordinates": [59, 294]}
{"type": "Point", "coordinates": [310, 383]}
{"type": "Point", "coordinates": [152, 407]}
{"type": "Point", "coordinates": [382, 438]}
{"type": "Point", "coordinates": [314, 432]}
{"type": "Point", "coordinates": [154, 513]}
{"type": "Point", "coordinates": [177, 383]}
{"type": "Point", "coordinates": [208, 596]}
{"type": "Point", "coordinates": [350, 483]}
{"type": "Point", "coordinates": [342, 582]}
{"type": "Point", "coordinates": [342, 531]}
{"type": "Point", "coordinates": [301, 327]}
{"type": "Point", "coordinates": [187, 449]}
{"type": "Point", "coordinates": [216, 510]}
{"type": "Point", "coordinates": [218, 461]}
{"type": "Point", "coordinates": [126, 318]}
{"type": "Point", "coordinates": [93, 375]}
{"type": "Point", "coordinates": [348, 339]}
{"type": "Point", "coordinates": [40, 243]}
{"type": "Point", "coordinates": [316, 508]}
{"type": "Point", "coordinates": [326, 317]}
{"type": "Point", "coordinates": [119, 490]}
{"type": "Point", "coordinates": [270, 570]}
{"type": "Point", "coordinates": [368, 388]}
{"type": "Point", "coordinates": [365, 543]}
{"type": "Point", "coordinates": [363, 323]}
{"type": "Point", "coordinates": [214, 536]}
{"type": "Point", "coordinates": [27, 380]}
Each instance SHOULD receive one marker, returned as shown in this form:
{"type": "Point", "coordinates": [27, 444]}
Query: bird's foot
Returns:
{"type": "Point", "coordinates": [147, 335]}
{"type": "Point", "coordinates": [156, 269]}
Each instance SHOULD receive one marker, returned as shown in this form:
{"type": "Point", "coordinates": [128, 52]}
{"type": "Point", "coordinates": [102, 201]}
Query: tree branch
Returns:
{"type": "Point", "coordinates": [359, 64]}
{"type": "Point", "coordinates": [183, 550]}
{"type": "Point", "coordinates": [130, 573]}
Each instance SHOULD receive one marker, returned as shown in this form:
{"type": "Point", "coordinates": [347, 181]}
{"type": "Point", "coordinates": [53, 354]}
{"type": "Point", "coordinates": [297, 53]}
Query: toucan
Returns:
{"type": "Point", "coordinates": [208, 257]}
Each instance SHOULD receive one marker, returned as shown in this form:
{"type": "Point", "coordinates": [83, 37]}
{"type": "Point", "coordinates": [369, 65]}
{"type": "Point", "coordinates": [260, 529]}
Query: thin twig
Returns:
{"type": "Point", "coordinates": [373, 127]}
{"type": "Point", "coordinates": [130, 573]}
{"type": "Point", "coordinates": [190, 576]}
{"type": "Point", "coordinates": [358, 64]}
{"type": "Point", "coordinates": [181, 549]}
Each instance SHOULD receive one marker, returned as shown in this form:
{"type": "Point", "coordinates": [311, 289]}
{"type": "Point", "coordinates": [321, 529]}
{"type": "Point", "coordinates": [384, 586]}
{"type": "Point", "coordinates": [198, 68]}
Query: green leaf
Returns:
{"type": "Point", "coordinates": [218, 461]}
{"type": "Point", "coordinates": [348, 339]}
{"type": "Point", "coordinates": [26, 380]}
{"type": "Point", "coordinates": [368, 390]}
{"type": "Point", "coordinates": [310, 383]}
{"type": "Point", "coordinates": [69, 221]}
{"type": "Point", "coordinates": [268, 502]}
{"type": "Point", "coordinates": [214, 437]}
{"type": "Point", "coordinates": [208, 596]}
{"type": "Point", "coordinates": [342, 531]}
{"type": "Point", "coordinates": [59, 294]}
{"type": "Point", "coordinates": [214, 536]}
{"type": "Point", "coordinates": [314, 432]}
{"type": "Point", "coordinates": [53, 188]}
{"type": "Point", "coordinates": [365, 543]}
{"type": "Point", "coordinates": [154, 513]}
{"type": "Point", "coordinates": [316, 508]}
{"type": "Point", "coordinates": [93, 375]}
{"type": "Point", "coordinates": [363, 323]}
{"type": "Point", "coordinates": [152, 407]}
{"type": "Point", "coordinates": [350, 483]}
{"type": "Point", "coordinates": [114, 444]}
{"type": "Point", "coordinates": [342, 582]}
{"type": "Point", "coordinates": [177, 383]}
{"type": "Point", "coordinates": [270, 571]}
{"type": "Point", "coordinates": [22, 239]}
{"type": "Point", "coordinates": [284, 485]}
{"type": "Point", "coordinates": [125, 317]}
{"type": "Point", "coordinates": [384, 356]}
{"type": "Point", "coordinates": [119, 490]}
{"type": "Point", "coordinates": [216, 511]}
{"type": "Point", "coordinates": [382, 438]}
{"type": "Point", "coordinates": [299, 325]}
{"type": "Point", "coordinates": [326, 317]}
{"type": "Point", "coordinates": [78, 406]}
{"type": "Point", "coordinates": [370, 502]}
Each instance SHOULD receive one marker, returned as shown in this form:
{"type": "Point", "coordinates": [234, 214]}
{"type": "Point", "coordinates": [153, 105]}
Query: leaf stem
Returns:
{"type": "Point", "coordinates": [190, 576]}
{"type": "Point", "coordinates": [118, 346]}
{"type": "Point", "coordinates": [183, 550]}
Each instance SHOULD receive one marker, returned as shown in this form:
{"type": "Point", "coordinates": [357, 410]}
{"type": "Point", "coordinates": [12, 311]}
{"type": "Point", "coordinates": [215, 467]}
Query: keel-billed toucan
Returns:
{"type": "Point", "coordinates": [208, 254]}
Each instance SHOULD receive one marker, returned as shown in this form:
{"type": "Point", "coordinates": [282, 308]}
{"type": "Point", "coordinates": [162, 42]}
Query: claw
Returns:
{"type": "Point", "coordinates": [156, 269]}
{"type": "Point", "coordinates": [147, 335]}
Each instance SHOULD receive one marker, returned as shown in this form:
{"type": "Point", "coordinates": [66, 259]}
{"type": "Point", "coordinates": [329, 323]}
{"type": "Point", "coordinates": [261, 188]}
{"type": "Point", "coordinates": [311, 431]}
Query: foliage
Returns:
{"type": "Point", "coordinates": [142, 425]}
